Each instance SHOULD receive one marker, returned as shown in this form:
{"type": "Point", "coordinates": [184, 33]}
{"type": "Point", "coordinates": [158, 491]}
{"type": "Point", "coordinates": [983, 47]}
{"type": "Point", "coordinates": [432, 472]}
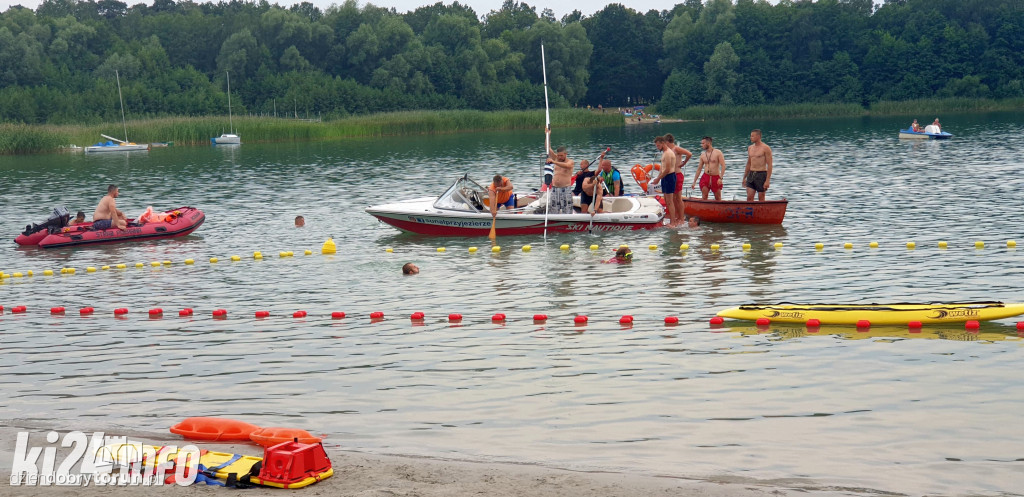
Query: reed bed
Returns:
{"type": "Point", "coordinates": [16, 139]}
{"type": "Point", "coordinates": [788, 111]}
{"type": "Point", "coordinates": [945, 105]}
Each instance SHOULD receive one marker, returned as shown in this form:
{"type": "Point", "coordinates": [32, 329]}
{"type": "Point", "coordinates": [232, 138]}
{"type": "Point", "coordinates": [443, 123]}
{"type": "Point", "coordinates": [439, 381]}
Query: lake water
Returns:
{"type": "Point", "coordinates": [882, 411]}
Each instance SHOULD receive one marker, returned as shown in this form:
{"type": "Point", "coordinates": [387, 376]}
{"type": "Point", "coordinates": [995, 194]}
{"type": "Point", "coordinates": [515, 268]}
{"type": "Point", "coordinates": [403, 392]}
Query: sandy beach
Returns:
{"type": "Point", "coordinates": [366, 475]}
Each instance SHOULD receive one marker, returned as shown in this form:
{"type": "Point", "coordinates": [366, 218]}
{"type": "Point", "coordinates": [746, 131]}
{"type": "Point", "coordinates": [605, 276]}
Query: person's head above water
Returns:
{"type": "Point", "coordinates": [300, 221]}
{"type": "Point", "coordinates": [410, 268]}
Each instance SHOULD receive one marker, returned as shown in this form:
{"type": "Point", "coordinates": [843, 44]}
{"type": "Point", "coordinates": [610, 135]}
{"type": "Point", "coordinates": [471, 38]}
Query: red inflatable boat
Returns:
{"type": "Point", "coordinates": [168, 224]}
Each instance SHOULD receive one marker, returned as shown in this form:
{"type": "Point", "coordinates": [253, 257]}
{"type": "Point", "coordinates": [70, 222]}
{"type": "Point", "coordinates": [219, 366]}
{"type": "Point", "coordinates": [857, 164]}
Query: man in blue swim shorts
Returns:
{"type": "Point", "coordinates": [107, 215]}
{"type": "Point", "coordinates": [668, 181]}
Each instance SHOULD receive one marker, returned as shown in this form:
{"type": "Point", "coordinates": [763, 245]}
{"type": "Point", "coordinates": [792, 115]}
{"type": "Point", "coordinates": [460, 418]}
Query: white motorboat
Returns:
{"type": "Point", "coordinates": [462, 210]}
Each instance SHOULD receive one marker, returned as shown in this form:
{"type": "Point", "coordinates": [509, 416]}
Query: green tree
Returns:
{"type": "Point", "coordinates": [720, 73]}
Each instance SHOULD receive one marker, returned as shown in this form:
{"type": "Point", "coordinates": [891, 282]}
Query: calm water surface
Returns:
{"type": "Point", "coordinates": [882, 411]}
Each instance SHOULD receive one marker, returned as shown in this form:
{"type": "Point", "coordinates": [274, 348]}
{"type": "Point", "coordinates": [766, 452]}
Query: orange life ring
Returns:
{"type": "Point", "coordinates": [642, 176]}
{"type": "Point", "coordinates": [201, 428]}
{"type": "Point", "coordinates": [269, 437]}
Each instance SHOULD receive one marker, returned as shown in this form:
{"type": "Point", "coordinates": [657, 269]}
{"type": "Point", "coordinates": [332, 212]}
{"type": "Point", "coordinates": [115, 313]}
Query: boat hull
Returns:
{"type": "Point", "coordinates": [226, 139]}
{"type": "Point", "coordinates": [134, 147]}
{"type": "Point", "coordinates": [736, 211]}
{"type": "Point", "coordinates": [474, 225]}
{"type": "Point", "coordinates": [83, 234]}
{"type": "Point", "coordinates": [881, 314]}
{"type": "Point", "coordinates": [920, 135]}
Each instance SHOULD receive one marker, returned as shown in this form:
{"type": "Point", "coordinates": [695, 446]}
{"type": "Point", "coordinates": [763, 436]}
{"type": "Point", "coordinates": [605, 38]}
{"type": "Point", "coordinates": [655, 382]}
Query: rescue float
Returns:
{"type": "Point", "coordinates": [882, 314]}
{"type": "Point", "coordinates": [55, 232]}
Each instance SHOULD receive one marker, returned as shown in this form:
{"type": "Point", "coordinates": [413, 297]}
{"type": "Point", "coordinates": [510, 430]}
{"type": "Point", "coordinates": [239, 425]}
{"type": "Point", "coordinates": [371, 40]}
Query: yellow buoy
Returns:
{"type": "Point", "coordinates": [236, 258]}
{"type": "Point", "coordinates": [778, 245]}
{"type": "Point", "coordinates": [565, 246]}
{"type": "Point", "coordinates": [943, 245]}
{"type": "Point", "coordinates": [71, 270]}
{"type": "Point", "coordinates": [154, 264]}
{"type": "Point", "coordinates": [1011, 243]}
{"type": "Point", "coordinates": [819, 246]}
{"type": "Point", "coordinates": [18, 275]}
{"type": "Point", "coordinates": [282, 254]}
{"type": "Point", "coordinates": [257, 255]}
{"type": "Point", "coordinates": [189, 261]}
{"type": "Point", "coordinates": [684, 246]}
{"type": "Point", "coordinates": [122, 266]}
{"type": "Point", "coordinates": [495, 249]}
{"type": "Point", "coordinates": [389, 250]}
{"type": "Point", "coordinates": [167, 263]}
{"type": "Point", "coordinates": [308, 252]}
{"type": "Point", "coordinates": [911, 245]}
{"type": "Point", "coordinates": [979, 244]}
{"type": "Point", "coordinates": [526, 248]}
{"type": "Point", "coordinates": [291, 253]}
{"type": "Point", "coordinates": [329, 247]}
{"type": "Point", "coordinates": [472, 250]}
{"type": "Point", "coordinates": [652, 247]}
{"type": "Point", "coordinates": [104, 267]}
{"type": "Point", "coordinates": [29, 273]}
{"type": "Point", "coordinates": [715, 246]}
{"type": "Point", "coordinates": [213, 260]}
{"type": "Point", "coordinates": [90, 269]}
{"type": "Point", "coordinates": [847, 245]}
{"type": "Point", "coordinates": [873, 245]}
{"type": "Point", "coordinates": [440, 249]}
{"type": "Point", "coordinates": [746, 246]}
{"type": "Point", "coordinates": [594, 247]}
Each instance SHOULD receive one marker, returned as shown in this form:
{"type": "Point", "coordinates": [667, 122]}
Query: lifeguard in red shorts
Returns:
{"type": "Point", "coordinates": [712, 163]}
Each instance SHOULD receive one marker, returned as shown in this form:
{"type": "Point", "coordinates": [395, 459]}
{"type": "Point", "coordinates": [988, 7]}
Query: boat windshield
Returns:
{"type": "Point", "coordinates": [464, 194]}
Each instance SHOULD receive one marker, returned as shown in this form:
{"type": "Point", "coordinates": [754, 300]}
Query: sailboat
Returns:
{"type": "Point", "coordinates": [121, 145]}
{"type": "Point", "coordinates": [228, 138]}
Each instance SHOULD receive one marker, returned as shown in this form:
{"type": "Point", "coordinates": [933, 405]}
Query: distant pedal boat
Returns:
{"type": "Point", "coordinates": [924, 135]}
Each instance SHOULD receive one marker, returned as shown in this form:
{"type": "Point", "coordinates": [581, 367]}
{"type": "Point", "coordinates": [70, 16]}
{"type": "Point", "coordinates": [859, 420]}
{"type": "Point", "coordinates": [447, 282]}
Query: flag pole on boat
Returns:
{"type": "Point", "coordinates": [547, 136]}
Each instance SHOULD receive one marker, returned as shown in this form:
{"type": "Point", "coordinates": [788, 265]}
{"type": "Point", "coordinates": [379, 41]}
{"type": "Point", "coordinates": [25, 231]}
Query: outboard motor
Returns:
{"type": "Point", "coordinates": [53, 224]}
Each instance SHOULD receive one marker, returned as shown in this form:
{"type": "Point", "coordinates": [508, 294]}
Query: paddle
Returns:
{"type": "Point", "coordinates": [597, 182]}
{"type": "Point", "coordinates": [547, 135]}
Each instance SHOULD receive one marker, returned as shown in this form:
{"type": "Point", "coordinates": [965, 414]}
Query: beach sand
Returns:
{"type": "Point", "coordinates": [366, 475]}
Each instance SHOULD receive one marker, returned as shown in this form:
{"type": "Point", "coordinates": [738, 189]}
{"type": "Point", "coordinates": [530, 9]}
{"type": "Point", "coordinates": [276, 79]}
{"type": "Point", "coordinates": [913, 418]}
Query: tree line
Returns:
{"type": "Point", "coordinates": [57, 63]}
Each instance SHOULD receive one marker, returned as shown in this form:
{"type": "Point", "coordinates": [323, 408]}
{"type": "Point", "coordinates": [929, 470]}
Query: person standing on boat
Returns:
{"type": "Point", "coordinates": [500, 193]}
{"type": "Point", "coordinates": [680, 179]}
{"type": "Point", "coordinates": [107, 215]}
{"type": "Point", "coordinates": [561, 183]}
{"type": "Point", "coordinates": [667, 176]}
{"type": "Point", "coordinates": [712, 163]}
{"type": "Point", "coordinates": [758, 173]}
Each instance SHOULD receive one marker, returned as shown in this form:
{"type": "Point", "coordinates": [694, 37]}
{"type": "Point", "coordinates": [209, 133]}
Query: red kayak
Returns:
{"type": "Point", "coordinates": [168, 224]}
{"type": "Point", "coordinates": [736, 211]}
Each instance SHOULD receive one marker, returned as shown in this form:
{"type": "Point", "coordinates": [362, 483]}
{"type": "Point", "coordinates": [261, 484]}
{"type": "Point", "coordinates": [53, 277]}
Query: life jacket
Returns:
{"type": "Point", "coordinates": [609, 182]}
{"type": "Point", "coordinates": [501, 197]}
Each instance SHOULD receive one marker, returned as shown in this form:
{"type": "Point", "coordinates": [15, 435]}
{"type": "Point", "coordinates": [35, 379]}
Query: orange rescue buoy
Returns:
{"type": "Point", "coordinates": [202, 428]}
{"type": "Point", "coordinates": [269, 437]}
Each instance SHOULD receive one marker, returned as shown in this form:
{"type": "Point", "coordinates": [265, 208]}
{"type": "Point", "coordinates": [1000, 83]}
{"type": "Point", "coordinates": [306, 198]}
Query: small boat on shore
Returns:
{"type": "Point", "coordinates": [736, 211]}
{"type": "Point", "coordinates": [462, 210]}
{"type": "Point", "coordinates": [925, 135]}
{"type": "Point", "coordinates": [55, 233]}
{"type": "Point", "coordinates": [885, 314]}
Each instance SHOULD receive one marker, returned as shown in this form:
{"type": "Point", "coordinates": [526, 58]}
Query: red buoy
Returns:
{"type": "Point", "coordinates": [627, 319]}
{"type": "Point", "coordinates": [1, 309]}
{"type": "Point", "coordinates": [540, 317]}
{"type": "Point", "coordinates": [671, 320]}
{"type": "Point", "coordinates": [337, 315]}
{"type": "Point", "coordinates": [914, 326]}
{"type": "Point", "coordinates": [579, 319]}
{"type": "Point", "coordinates": [863, 323]}
{"type": "Point", "coordinates": [1020, 325]}
{"type": "Point", "coordinates": [417, 316]}
{"type": "Point", "coordinates": [86, 310]}
{"type": "Point", "coordinates": [813, 323]}
{"type": "Point", "coordinates": [299, 314]}
{"type": "Point", "coordinates": [156, 311]}
{"type": "Point", "coordinates": [262, 314]}
{"type": "Point", "coordinates": [455, 317]}
{"type": "Point", "coordinates": [189, 311]}
{"type": "Point", "coordinates": [18, 309]}
{"type": "Point", "coordinates": [183, 313]}
{"type": "Point", "coordinates": [716, 320]}
{"type": "Point", "coordinates": [376, 315]}
{"type": "Point", "coordinates": [56, 310]}
{"type": "Point", "coordinates": [498, 317]}
{"type": "Point", "coordinates": [763, 321]}
{"type": "Point", "coordinates": [120, 311]}
{"type": "Point", "coordinates": [972, 325]}
{"type": "Point", "coordinates": [219, 313]}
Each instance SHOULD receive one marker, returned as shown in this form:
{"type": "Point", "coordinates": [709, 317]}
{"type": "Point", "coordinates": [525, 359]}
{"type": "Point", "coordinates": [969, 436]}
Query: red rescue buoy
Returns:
{"type": "Point", "coordinates": [156, 311]}
{"type": "Point", "coordinates": [1, 309]}
{"type": "Point", "coordinates": [56, 310]}
{"type": "Point", "coordinates": [863, 323]}
{"type": "Point", "coordinates": [120, 311]}
{"type": "Point", "coordinates": [219, 313]}
{"type": "Point", "coordinates": [269, 437]}
{"type": "Point", "coordinates": [183, 313]}
{"type": "Point", "coordinates": [203, 428]}
{"type": "Point", "coordinates": [1020, 325]}
{"type": "Point", "coordinates": [262, 314]}
{"type": "Point", "coordinates": [337, 315]}
{"type": "Point", "coordinates": [972, 325]}
{"type": "Point", "coordinates": [455, 317]}
{"type": "Point", "coordinates": [914, 326]}
{"type": "Point", "coordinates": [498, 317]}
{"type": "Point", "coordinates": [540, 317]}
{"type": "Point", "coordinates": [580, 319]}
{"type": "Point", "coordinates": [18, 309]}
{"type": "Point", "coordinates": [716, 320]}
{"type": "Point", "coordinates": [417, 316]}
{"type": "Point", "coordinates": [626, 319]}
{"type": "Point", "coordinates": [671, 320]}
{"type": "Point", "coordinates": [299, 314]}
{"type": "Point", "coordinates": [813, 323]}
{"type": "Point", "coordinates": [86, 310]}
{"type": "Point", "coordinates": [376, 315]}
{"type": "Point", "coordinates": [763, 321]}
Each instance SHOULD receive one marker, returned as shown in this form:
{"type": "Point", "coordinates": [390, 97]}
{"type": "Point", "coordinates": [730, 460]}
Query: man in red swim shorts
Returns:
{"type": "Point", "coordinates": [712, 163]}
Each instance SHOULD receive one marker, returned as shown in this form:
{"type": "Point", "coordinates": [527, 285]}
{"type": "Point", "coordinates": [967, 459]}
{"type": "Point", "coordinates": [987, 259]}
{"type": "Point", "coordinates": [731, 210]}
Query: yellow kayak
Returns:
{"type": "Point", "coordinates": [890, 314]}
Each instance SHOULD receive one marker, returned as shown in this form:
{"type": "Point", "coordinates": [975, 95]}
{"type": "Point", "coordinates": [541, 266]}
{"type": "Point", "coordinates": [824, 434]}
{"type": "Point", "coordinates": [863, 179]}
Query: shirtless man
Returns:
{"type": "Point", "coordinates": [591, 192]}
{"type": "Point", "coordinates": [712, 163]}
{"type": "Point", "coordinates": [682, 157]}
{"type": "Point", "coordinates": [560, 200]}
{"type": "Point", "coordinates": [107, 215]}
{"type": "Point", "coordinates": [667, 176]}
{"type": "Point", "coordinates": [758, 173]}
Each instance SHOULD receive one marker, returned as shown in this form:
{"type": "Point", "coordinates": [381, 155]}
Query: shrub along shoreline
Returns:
{"type": "Point", "coordinates": [24, 139]}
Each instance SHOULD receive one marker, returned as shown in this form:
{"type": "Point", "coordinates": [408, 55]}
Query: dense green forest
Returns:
{"type": "Point", "coordinates": [57, 63]}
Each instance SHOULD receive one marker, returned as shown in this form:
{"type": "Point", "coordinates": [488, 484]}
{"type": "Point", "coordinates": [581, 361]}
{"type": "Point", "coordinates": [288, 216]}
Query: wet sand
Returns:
{"type": "Point", "coordinates": [365, 475]}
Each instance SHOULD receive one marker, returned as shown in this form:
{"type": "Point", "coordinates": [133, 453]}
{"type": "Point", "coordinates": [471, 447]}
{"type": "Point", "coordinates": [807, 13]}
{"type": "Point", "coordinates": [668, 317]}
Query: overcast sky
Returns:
{"type": "Point", "coordinates": [481, 7]}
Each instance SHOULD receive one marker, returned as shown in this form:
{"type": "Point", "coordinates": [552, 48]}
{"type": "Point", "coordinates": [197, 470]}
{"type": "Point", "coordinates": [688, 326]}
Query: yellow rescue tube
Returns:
{"type": "Point", "coordinates": [883, 314]}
